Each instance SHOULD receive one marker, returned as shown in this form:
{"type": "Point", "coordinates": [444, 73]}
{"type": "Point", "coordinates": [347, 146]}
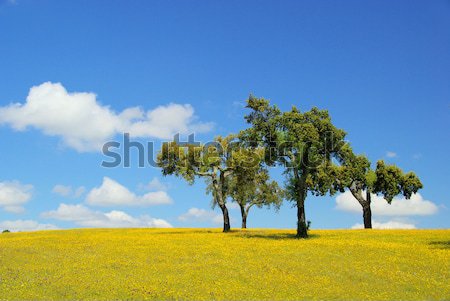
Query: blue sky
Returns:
{"type": "Point", "coordinates": [381, 68]}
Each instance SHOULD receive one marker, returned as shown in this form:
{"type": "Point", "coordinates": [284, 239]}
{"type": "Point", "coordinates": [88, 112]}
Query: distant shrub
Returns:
{"type": "Point", "coordinates": [308, 225]}
{"type": "Point", "coordinates": [6, 231]}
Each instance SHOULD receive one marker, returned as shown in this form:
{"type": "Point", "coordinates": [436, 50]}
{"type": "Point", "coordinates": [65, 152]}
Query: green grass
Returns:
{"type": "Point", "coordinates": [205, 264]}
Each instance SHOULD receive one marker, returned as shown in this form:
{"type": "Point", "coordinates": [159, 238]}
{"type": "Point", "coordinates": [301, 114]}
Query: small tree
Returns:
{"type": "Point", "coordinates": [386, 180]}
{"type": "Point", "coordinates": [252, 187]}
{"type": "Point", "coordinates": [215, 161]}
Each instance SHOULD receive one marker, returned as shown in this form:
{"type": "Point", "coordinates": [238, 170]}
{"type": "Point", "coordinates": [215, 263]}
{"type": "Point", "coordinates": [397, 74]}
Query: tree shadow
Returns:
{"type": "Point", "coordinates": [443, 244]}
{"type": "Point", "coordinates": [276, 236]}
{"type": "Point", "coordinates": [188, 231]}
{"type": "Point", "coordinates": [249, 234]}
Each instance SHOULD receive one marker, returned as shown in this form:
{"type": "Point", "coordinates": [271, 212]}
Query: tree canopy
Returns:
{"type": "Point", "coordinates": [303, 142]}
{"type": "Point", "coordinates": [253, 187]}
{"type": "Point", "coordinates": [215, 161]}
{"type": "Point", "coordinates": [355, 173]}
{"type": "Point", "coordinates": [306, 144]}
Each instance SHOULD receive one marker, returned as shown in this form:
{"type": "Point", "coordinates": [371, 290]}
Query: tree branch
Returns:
{"type": "Point", "coordinates": [204, 174]}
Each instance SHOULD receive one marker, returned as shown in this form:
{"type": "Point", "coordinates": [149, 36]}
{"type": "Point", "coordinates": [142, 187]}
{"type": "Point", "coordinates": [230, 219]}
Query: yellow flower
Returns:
{"type": "Point", "coordinates": [205, 264]}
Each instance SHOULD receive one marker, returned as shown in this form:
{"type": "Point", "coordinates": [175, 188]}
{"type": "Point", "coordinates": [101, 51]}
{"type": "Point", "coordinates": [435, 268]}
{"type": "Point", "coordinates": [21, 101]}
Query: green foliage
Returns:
{"type": "Point", "coordinates": [306, 144]}
{"type": "Point", "coordinates": [216, 162]}
{"type": "Point", "coordinates": [6, 231]}
{"type": "Point", "coordinates": [303, 142]}
{"type": "Point", "coordinates": [410, 184]}
{"type": "Point", "coordinates": [386, 180]}
{"type": "Point", "coordinates": [252, 187]}
{"type": "Point", "coordinates": [249, 185]}
{"type": "Point", "coordinates": [371, 178]}
{"type": "Point", "coordinates": [391, 181]}
{"type": "Point", "coordinates": [354, 171]}
{"type": "Point", "coordinates": [191, 161]}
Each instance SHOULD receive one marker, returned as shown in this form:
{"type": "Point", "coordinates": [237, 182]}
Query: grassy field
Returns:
{"type": "Point", "coordinates": [198, 264]}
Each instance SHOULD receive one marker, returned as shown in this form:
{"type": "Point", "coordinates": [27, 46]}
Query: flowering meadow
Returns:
{"type": "Point", "coordinates": [206, 264]}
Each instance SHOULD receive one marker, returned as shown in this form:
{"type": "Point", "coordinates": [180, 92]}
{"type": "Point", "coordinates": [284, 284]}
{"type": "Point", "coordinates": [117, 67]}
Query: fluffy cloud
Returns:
{"type": "Point", "coordinates": [111, 193]}
{"type": "Point", "coordinates": [399, 206]}
{"type": "Point", "coordinates": [13, 195]}
{"type": "Point", "coordinates": [85, 125]}
{"type": "Point", "coordinates": [154, 184]}
{"type": "Point", "coordinates": [85, 217]}
{"type": "Point", "coordinates": [387, 225]}
{"type": "Point", "coordinates": [200, 215]}
{"type": "Point", "coordinates": [25, 225]}
{"type": "Point", "coordinates": [68, 191]}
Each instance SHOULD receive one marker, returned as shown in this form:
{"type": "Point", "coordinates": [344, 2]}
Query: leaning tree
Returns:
{"type": "Point", "coordinates": [215, 161]}
{"type": "Point", "coordinates": [355, 173]}
{"type": "Point", "coordinates": [303, 142]}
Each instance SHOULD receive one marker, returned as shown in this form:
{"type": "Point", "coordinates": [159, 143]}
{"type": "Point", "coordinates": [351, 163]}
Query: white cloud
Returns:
{"type": "Point", "coordinates": [79, 191]}
{"type": "Point", "coordinates": [154, 184]}
{"type": "Point", "coordinates": [85, 125]}
{"type": "Point", "coordinates": [86, 217]}
{"type": "Point", "coordinates": [62, 190]}
{"type": "Point", "coordinates": [165, 121]}
{"type": "Point", "coordinates": [68, 191]}
{"type": "Point", "coordinates": [13, 195]}
{"type": "Point", "coordinates": [72, 213]}
{"type": "Point", "coordinates": [25, 225]}
{"type": "Point", "coordinates": [111, 193]}
{"type": "Point", "coordinates": [201, 215]}
{"type": "Point", "coordinates": [399, 206]}
{"type": "Point", "coordinates": [390, 154]}
{"type": "Point", "coordinates": [387, 225]}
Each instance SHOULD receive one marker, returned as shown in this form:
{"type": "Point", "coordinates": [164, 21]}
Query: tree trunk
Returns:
{"type": "Point", "coordinates": [365, 204]}
{"type": "Point", "coordinates": [302, 230]}
{"type": "Point", "coordinates": [226, 218]}
{"type": "Point", "coordinates": [244, 217]}
{"type": "Point", "coordinates": [301, 220]}
{"type": "Point", "coordinates": [219, 190]}
{"type": "Point", "coordinates": [367, 212]}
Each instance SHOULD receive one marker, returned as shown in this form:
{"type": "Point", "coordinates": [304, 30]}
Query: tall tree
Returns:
{"type": "Point", "coordinates": [252, 187]}
{"type": "Point", "coordinates": [215, 161]}
{"type": "Point", "coordinates": [388, 181]}
{"type": "Point", "coordinates": [303, 142]}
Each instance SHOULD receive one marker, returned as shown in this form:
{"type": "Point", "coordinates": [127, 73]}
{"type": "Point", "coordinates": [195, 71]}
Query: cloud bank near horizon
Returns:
{"type": "Point", "coordinates": [400, 206]}
{"type": "Point", "coordinates": [86, 217]}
